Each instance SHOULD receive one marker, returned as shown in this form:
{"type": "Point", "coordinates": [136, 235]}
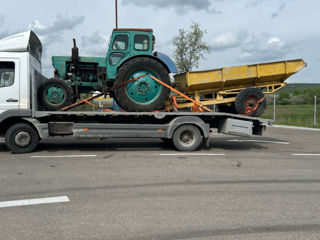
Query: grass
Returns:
{"type": "Point", "coordinates": [293, 115]}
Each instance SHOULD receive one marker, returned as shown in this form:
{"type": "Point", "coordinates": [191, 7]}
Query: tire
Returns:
{"type": "Point", "coordinates": [227, 108]}
{"type": "Point", "coordinates": [58, 90]}
{"type": "Point", "coordinates": [21, 138]}
{"type": "Point", "coordinates": [249, 97]}
{"type": "Point", "coordinates": [145, 94]}
{"type": "Point", "coordinates": [187, 138]}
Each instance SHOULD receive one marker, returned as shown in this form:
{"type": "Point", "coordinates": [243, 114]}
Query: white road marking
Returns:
{"type": "Point", "coordinates": [294, 127]}
{"type": "Point", "coordinates": [305, 154]}
{"type": "Point", "coordinates": [191, 154]}
{"type": "Point", "coordinates": [133, 148]}
{"type": "Point", "coordinates": [64, 156]}
{"type": "Point", "coordinates": [259, 141]}
{"type": "Point", "coordinates": [34, 201]}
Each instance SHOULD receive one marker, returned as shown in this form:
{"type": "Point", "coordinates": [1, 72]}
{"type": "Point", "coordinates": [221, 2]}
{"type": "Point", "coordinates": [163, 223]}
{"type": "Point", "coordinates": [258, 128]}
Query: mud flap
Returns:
{"type": "Point", "coordinates": [206, 142]}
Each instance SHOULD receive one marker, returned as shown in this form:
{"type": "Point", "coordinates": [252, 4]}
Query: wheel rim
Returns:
{"type": "Point", "coordinates": [55, 95]}
{"type": "Point", "coordinates": [144, 90]}
{"type": "Point", "coordinates": [251, 102]}
{"type": "Point", "coordinates": [22, 139]}
{"type": "Point", "coordinates": [186, 138]}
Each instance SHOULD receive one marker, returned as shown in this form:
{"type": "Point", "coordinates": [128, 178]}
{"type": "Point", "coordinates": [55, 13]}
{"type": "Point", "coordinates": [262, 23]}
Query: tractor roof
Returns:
{"type": "Point", "coordinates": [134, 29]}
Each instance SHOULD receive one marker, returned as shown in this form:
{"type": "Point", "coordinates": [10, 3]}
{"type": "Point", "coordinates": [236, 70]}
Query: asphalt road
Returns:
{"type": "Point", "coordinates": [241, 188]}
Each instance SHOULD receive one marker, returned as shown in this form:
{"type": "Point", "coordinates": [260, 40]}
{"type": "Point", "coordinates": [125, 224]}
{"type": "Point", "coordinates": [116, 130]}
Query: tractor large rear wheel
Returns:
{"type": "Point", "coordinates": [144, 94]}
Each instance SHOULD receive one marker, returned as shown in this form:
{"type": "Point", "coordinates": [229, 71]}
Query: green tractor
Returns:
{"type": "Point", "coordinates": [130, 55]}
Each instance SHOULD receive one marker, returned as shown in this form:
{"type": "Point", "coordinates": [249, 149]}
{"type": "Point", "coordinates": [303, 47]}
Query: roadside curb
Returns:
{"type": "Point", "coordinates": [294, 127]}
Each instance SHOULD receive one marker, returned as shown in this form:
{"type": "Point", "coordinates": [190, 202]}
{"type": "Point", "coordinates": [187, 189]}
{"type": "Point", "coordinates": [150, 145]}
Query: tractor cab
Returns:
{"type": "Point", "coordinates": [126, 43]}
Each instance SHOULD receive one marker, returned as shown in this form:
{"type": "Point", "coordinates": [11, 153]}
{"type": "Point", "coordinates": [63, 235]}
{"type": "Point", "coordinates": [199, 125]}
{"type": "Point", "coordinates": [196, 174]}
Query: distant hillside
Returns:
{"type": "Point", "coordinates": [300, 86]}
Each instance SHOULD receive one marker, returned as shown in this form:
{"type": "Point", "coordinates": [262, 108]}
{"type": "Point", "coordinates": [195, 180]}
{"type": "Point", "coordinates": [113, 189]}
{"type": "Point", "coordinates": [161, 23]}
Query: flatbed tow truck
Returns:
{"type": "Point", "coordinates": [23, 123]}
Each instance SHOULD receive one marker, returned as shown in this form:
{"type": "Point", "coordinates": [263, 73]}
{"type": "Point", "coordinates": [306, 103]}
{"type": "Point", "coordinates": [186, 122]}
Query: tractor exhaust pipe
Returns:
{"type": "Point", "coordinates": [74, 52]}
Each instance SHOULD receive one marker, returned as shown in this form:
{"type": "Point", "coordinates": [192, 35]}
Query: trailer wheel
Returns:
{"type": "Point", "coordinates": [54, 94]}
{"type": "Point", "coordinates": [21, 138]}
{"type": "Point", "coordinates": [187, 138]}
{"type": "Point", "coordinates": [249, 98]}
{"type": "Point", "coordinates": [144, 94]}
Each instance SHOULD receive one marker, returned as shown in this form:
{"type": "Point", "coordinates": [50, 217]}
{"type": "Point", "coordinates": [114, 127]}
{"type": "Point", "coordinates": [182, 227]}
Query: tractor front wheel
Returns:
{"type": "Point", "coordinates": [54, 94]}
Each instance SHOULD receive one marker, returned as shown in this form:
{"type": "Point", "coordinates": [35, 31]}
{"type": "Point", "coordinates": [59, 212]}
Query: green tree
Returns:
{"type": "Point", "coordinates": [190, 48]}
{"type": "Point", "coordinates": [309, 93]}
{"type": "Point", "coordinates": [297, 92]}
{"type": "Point", "coordinates": [284, 98]}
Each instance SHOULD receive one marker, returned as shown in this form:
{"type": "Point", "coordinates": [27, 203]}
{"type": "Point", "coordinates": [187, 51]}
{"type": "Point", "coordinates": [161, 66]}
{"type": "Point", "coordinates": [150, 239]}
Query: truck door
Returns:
{"type": "Point", "coordinates": [9, 84]}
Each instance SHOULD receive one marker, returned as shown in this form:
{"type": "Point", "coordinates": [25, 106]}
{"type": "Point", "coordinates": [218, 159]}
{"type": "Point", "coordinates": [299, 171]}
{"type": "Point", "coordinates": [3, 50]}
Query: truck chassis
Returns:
{"type": "Point", "coordinates": [185, 130]}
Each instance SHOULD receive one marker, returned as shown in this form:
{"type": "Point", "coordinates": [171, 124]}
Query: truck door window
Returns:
{"type": "Point", "coordinates": [141, 42]}
{"type": "Point", "coordinates": [6, 74]}
{"type": "Point", "coordinates": [120, 43]}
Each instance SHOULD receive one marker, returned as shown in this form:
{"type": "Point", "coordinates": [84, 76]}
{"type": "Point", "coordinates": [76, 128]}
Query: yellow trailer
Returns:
{"type": "Point", "coordinates": [223, 86]}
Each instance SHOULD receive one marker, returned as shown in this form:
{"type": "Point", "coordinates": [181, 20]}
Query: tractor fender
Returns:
{"type": "Point", "coordinates": [167, 61]}
{"type": "Point", "coordinates": [164, 60]}
{"type": "Point", "coordinates": [177, 122]}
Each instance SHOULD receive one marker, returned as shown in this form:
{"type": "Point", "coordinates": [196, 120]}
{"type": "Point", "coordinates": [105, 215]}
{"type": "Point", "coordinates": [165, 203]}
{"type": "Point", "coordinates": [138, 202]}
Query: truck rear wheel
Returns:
{"type": "Point", "coordinates": [21, 138]}
{"type": "Point", "coordinates": [187, 138]}
{"type": "Point", "coordinates": [54, 94]}
{"type": "Point", "coordinates": [144, 94]}
{"type": "Point", "coordinates": [248, 99]}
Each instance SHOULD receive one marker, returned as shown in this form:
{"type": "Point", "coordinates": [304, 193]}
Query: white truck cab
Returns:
{"type": "Point", "coordinates": [20, 58]}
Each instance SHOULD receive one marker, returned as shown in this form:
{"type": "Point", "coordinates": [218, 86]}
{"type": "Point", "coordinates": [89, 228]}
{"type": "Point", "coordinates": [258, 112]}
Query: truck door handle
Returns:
{"type": "Point", "coordinates": [12, 100]}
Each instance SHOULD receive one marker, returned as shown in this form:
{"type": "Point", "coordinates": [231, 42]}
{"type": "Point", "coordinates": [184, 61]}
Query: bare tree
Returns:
{"type": "Point", "coordinates": [190, 48]}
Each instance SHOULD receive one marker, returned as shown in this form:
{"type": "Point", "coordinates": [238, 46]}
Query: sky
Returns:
{"type": "Point", "coordinates": [238, 31]}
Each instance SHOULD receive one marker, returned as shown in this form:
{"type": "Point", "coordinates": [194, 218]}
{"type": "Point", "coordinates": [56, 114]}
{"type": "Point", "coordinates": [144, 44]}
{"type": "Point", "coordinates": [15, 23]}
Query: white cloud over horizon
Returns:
{"type": "Point", "coordinates": [244, 32]}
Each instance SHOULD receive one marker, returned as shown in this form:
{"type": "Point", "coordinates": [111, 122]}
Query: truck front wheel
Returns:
{"type": "Point", "coordinates": [21, 138]}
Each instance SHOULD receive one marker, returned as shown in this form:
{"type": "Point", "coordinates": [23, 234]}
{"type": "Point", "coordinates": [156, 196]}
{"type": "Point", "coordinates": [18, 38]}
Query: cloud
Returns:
{"type": "Point", "coordinates": [252, 47]}
{"type": "Point", "coordinates": [255, 3]}
{"type": "Point", "coordinates": [2, 20]}
{"type": "Point", "coordinates": [178, 4]}
{"type": "Point", "coordinates": [95, 45]}
{"type": "Point", "coordinates": [229, 40]}
{"type": "Point", "coordinates": [276, 13]}
{"type": "Point", "coordinates": [53, 33]}
{"type": "Point", "coordinates": [264, 47]}
{"type": "Point", "coordinates": [266, 5]}
{"type": "Point", "coordinates": [4, 33]}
